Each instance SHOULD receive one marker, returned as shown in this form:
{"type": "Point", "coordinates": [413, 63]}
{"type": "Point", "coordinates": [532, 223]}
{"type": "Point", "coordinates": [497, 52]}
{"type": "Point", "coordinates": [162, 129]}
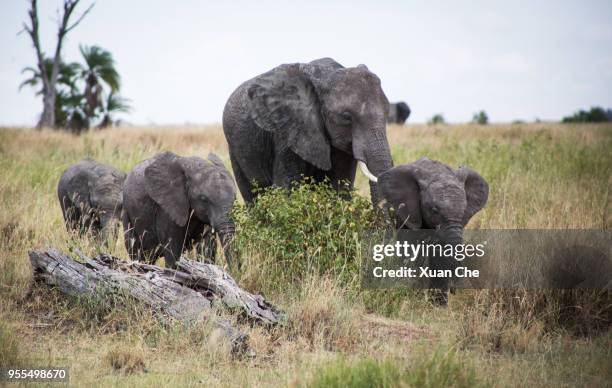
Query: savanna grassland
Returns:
{"type": "Point", "coordinates": [541, 176]}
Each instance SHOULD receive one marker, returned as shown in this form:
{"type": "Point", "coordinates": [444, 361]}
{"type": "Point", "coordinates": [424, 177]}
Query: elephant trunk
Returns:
{"type": "Point", "coordinates": [226, 232]}
{"type": "Point", "coordinates": [449, 235]}
{"type": "Point", "coordinates": [106, 225]}
{"type": "Point", "coordinates": [452, 234]}
{"type": "Point", "coordinates": [375, 159]}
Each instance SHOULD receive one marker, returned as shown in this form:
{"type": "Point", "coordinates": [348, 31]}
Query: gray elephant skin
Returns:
{"type": "Point", "coordinates": [316, 119]}
{"type": "Point", "coordinates": [90, 195]}
{"type": "Point", "coordinates": [170, 202]}
{"type": "Point", "coordinates": [427, 194]}
{"type": "Point", "coordinates": [398, 113]}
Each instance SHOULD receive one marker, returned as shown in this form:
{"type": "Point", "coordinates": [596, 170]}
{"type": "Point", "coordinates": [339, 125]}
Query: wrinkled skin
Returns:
{"type": "Point", "coordinates": [314, 119]}
{"type": "Point", "coordinates": [170, 202]}
{"type": "Point", "coordinates": [398, 113]}
{"type": "Point", "coordinates": [90, 195]}
{"type": "Point", "coordinates": [427, 194]}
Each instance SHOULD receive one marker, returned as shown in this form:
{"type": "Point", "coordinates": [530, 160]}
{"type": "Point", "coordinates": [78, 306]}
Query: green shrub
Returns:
{"type": "Point", "coordinates": [439, 370]}
{"type": "Point", "coordinates": [480, 118]}
{"type": "Point", "coordinates": [437, 119]}
{"type": "Point", "coordinates": [310, 229]}
{"type": "Point", "coordinates": [365, 373]}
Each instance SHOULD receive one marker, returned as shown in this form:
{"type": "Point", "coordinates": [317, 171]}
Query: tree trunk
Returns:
{"type": "Point", "coordinates": [186, 294]}
{"type": "Point", "coordinates": [47, 118]}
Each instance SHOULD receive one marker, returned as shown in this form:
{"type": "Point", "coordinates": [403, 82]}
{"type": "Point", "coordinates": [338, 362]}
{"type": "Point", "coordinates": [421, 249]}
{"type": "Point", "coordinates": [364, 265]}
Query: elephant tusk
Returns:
{"type": "Point", "coordinates": [366, 172]}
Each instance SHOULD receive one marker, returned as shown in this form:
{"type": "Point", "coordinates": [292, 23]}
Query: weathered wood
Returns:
{"type": "Point", "coordinates": [186, 294]}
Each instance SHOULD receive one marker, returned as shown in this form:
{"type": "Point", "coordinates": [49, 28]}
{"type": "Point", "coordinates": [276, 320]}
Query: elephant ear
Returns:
{"type": "Point", "coordinates": [400, 188]}
{"type": "Point", "coordinates": [476, 192]}
{"type": "Point", "coordinates": [284, 101]}
{"type": "Point", "coordinates": [214, 159]}
{"type": "Point", "coordinates": [165, 183]}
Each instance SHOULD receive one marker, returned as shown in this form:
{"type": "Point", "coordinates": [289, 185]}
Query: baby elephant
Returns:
{"type": "Point", "coordinates": [427, 194]}
{"type": "Point", "coordinates": [90, 197]}
{"type": "Point", "coordinates": [170, 201]}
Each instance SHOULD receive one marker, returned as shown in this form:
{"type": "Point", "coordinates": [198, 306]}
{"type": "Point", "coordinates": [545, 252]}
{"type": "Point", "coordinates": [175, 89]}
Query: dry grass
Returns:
{"type": "Point", "coordinates": [541, 176]}
{"type": "Point", "coordinates": [126, 359]}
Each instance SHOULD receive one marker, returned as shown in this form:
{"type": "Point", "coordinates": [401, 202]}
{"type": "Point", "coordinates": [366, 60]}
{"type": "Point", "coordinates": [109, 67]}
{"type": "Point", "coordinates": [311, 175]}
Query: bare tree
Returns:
{"type": "Point", "coordinates": [47, 118]}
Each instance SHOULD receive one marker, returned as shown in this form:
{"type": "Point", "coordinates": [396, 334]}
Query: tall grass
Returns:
{"type": "Point", "coordinates": [438, 370]}
{"type": "Point", "coordinates": [302, 252]}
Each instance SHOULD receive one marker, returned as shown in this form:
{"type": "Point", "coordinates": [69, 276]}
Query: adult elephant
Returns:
{"type": "Point", "coordinates": [398, 113]}
{"type": "Point", "coordinates": [316, 119]}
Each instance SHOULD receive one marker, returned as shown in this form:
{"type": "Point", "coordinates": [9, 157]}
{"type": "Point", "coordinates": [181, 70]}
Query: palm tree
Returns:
{"type": "Point", "coordinates": [99, 67]}
{"type": "Point", "coordinates": [99, 81]}
{"type": "Point", "coordinates": [114, 104]}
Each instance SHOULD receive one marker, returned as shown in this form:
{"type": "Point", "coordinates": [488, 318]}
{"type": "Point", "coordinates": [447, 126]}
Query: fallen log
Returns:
{"type": "Point", "coordinates": [186, 294]}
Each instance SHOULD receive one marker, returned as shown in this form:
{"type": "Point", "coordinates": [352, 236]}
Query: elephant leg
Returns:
{"type": "Point", "coordinates": [242, 181]}
{"type": "Point", "coordinates": [172, 252]}
{"type": "Point", "coordinates": [209, 246]}
{"type": "Point", "coordinates": [72, 216]}
{"type": "Point", "coordinates": [342, 173]}
{"type": "Point", "coordinates": [132, 243]}
{"type": "Point", "coordinates": [172, 238]}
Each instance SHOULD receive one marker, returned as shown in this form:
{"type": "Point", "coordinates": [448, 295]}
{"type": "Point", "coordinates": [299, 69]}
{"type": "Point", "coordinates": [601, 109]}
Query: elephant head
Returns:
{"type": "Point", "coordinates": [313, 107]}
{"type": "Point", "coordinates": [186, 187]}
{"type": "Point", "coordinates": [106, 196]}
{"type": "Point", "coordinates": [427, 194]}
{"type": "Point", "coordinates": [398, 112]}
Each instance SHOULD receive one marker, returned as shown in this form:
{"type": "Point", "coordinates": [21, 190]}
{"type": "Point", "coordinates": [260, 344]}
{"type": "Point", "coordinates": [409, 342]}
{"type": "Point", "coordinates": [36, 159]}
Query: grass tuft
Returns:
{"type": "Point", "coordinates": [126, 360]}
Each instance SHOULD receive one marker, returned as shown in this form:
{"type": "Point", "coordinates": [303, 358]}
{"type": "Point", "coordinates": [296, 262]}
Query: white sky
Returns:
{"type": "Point", "coordinates": [179, 61]}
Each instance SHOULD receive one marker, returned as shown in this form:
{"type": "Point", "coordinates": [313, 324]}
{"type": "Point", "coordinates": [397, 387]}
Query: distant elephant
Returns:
{"type": "Point", "coordinates": [316, 119]}
{"type": "Point", "coordinates": [427, 194]}
{"type": "Point", "coordinates": [398, 113]}
{"type": "Point", "coordinates": [90, 195]}
{"type": "Point", "coordinates": [169, 203]}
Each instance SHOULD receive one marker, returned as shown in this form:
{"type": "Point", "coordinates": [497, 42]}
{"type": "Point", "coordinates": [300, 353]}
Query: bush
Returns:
{"type": "Point", "coordinates": [309, 230]}
{"type": "Point", "coordinates": [437, 119]}
{"type": "Point", "coordinates": [480, 118]}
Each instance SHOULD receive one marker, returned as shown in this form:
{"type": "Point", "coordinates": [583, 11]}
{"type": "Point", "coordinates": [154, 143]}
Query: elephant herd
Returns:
{"type": "Point", "coordinates": [317, 119]}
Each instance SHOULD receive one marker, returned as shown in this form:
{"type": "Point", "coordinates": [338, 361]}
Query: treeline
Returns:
{"type": "Point", "coordinates": [595, 115]}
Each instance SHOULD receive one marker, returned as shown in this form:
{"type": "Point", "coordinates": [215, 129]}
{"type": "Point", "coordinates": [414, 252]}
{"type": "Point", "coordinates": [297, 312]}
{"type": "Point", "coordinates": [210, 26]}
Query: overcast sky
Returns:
{"type": "Point", "coordinates": [179, 61]}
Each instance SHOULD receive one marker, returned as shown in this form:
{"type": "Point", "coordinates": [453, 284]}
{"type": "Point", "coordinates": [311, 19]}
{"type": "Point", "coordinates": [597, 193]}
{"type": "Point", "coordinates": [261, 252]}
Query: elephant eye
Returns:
{"type": "Point", "coordinates": [203, 198]}
{"type": "Point", "coordinates": [346, 116]}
